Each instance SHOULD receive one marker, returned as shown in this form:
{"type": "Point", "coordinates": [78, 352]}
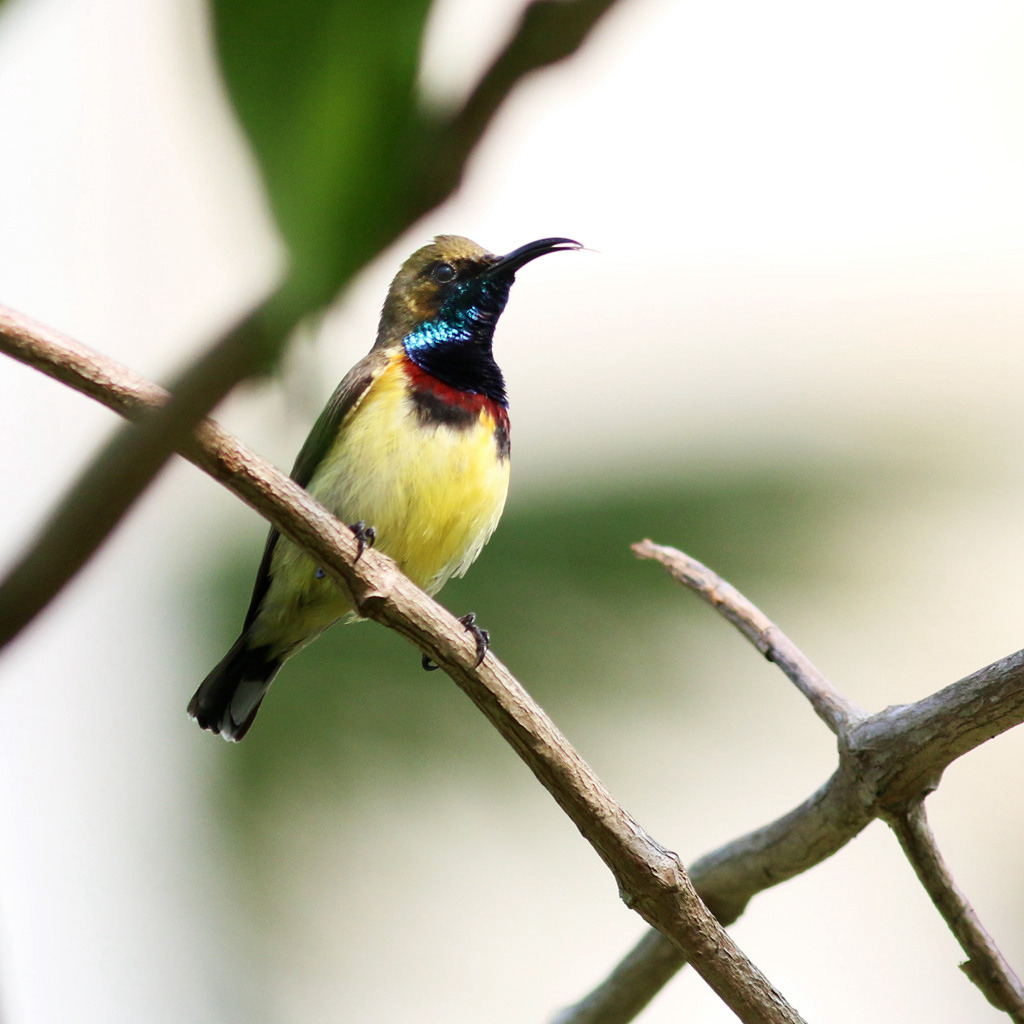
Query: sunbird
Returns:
{"type": "Point", "coordinates": [412, 450]}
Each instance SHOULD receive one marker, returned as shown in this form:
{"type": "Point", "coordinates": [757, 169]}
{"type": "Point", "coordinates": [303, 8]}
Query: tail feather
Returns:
{"type": "Point", "coordinates": [229, 697]}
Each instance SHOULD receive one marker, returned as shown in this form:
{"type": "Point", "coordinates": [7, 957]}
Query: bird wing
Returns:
{"type": "Point", "coordinates": [346, 397]}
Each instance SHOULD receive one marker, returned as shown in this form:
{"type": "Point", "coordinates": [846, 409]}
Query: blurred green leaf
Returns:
{"type": "Point", "coordinates": [325, 90]}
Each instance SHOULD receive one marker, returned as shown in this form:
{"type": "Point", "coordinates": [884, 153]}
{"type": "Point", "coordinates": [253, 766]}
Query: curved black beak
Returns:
{"type": "Point", "coordinates": [508, 265]}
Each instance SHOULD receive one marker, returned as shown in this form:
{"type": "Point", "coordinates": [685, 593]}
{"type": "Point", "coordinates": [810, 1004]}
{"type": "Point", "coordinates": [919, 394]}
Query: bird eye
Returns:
{"type": "Point", "coordinates": [443, 273]}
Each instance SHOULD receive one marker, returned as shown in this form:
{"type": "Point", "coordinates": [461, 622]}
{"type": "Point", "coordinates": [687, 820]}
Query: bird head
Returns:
{"type": "Point", "coordinates": [452, 291]}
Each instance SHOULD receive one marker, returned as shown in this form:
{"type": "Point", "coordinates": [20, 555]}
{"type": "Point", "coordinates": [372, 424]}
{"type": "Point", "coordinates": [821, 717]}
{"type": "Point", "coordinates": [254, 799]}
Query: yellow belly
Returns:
{"type": "Point", "coordinates": [433, 492]}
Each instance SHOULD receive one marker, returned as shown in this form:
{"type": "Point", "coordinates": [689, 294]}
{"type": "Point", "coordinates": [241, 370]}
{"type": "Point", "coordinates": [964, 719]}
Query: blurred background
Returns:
{"type": "Point", "coordinates": [794, 351]}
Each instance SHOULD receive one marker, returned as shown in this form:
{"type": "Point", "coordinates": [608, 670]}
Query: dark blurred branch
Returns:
{"type": "Point", "coordinates": [838, 713]}
{"type": "Point", "coordinates": [885, 761]}
{"type": "Point", "coordinates": [985, 964]}
{"type": "Point", "coordinates": [650, 878]}
{"type": "Point", "coordinates": [105, 491]}
{"type": "Point", "coordinates": [548, 31]}
{"type": "Point", "coordinates": [109, 487]}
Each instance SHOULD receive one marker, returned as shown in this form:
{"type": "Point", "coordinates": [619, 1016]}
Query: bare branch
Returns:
{"type": "Point", "coordinates": [651, 879]}
{"type": "Point", "coordinates": [886, 760]}
{"type": "Point", "coordinates": [838, 713]}
{"type": "Point", "coordinates": [932, 733]}
{"type": "Point", "coordinates": [985, 965]}
{"type": "Point", "coordinates": [548, 31]}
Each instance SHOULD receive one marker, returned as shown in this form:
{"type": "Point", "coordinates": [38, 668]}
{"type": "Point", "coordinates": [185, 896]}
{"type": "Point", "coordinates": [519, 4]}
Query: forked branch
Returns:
{"type": "Point", "coordinates": [887, 761]}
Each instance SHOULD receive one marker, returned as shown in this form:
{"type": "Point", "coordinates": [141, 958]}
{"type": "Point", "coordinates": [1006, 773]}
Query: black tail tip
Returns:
{"type": "Point", "coordinates": [229, 697]}
{"type": "Point", "coordinates": [220, 719]}
{"type": "Point", "coordinates": [218, 722]}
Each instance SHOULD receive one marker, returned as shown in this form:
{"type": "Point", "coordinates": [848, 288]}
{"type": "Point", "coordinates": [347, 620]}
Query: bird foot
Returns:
{"type": "Point", "coordinates": [481, 636]}
{"type": "Point", "coordinates": [365, 537]}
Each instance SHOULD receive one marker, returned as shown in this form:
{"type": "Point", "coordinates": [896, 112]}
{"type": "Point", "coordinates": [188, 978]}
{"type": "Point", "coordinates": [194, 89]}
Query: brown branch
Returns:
{"type": "Point", "coordinates": [838, 713]}
{"type": "Point", "coordinates": [885, 760]}
{"type": "Point", "coordinates": [651, 879]}
{"type": "Point", "coordinates": [985, 964]}
{"type": "Point", "coordinates": [106, 490]}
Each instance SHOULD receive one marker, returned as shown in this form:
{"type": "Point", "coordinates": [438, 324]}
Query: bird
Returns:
{"type": "Point", "coordinates": [412, 450]}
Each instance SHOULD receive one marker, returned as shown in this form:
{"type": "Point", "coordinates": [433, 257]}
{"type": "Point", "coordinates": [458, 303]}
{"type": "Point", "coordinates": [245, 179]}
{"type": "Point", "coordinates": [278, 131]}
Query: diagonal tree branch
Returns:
{"type": "Point", "coordinates": [107, 489]}
{"type": "Point", "coordinates": [650, 878]}
{"type": "Point", "coordinates": [985, 964]}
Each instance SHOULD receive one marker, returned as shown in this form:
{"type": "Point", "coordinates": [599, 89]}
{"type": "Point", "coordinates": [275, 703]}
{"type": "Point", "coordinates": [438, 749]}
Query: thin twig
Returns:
{"type": "Point", "coordinates": [650, 878]}
{"type": "Point", "coordinates": [985, 966]}
{"type": "Point", "coordinates": [835, 710]}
